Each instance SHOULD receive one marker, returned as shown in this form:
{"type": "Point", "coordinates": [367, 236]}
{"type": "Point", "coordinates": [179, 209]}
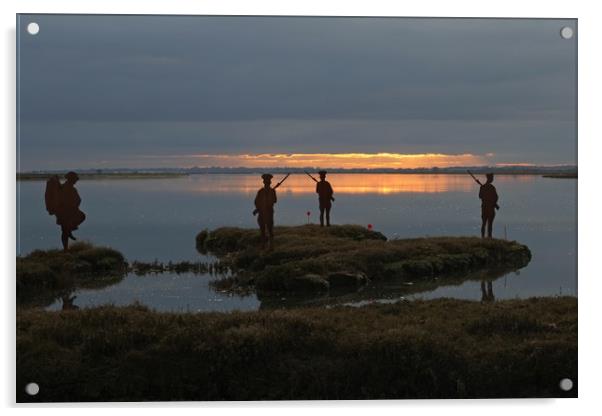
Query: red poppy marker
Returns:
{"type": "Point", "coordinates": [308, 214]}
{"type": "Point", "coordinates": [370, 227]}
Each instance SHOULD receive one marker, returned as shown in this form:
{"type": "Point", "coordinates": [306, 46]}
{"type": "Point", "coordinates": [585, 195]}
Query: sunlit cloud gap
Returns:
{"type": "Point", "coordinates": [333, 160]}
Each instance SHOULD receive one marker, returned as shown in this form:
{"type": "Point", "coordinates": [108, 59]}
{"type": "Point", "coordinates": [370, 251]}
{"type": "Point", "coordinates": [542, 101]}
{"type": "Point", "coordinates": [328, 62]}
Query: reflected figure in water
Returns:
{"type": "Point", "coordinates": [68, 304]}
{"type": "Point", "coordinates": [487, 293]}
{"type": "Point", "coordinates": [325, 196]}
{"type": "Point", "coordinates": [489, 198]}
{"type": "Point", "coordinates": [63, 200]}
{"type": "Point", "coordinates": [264, 209]}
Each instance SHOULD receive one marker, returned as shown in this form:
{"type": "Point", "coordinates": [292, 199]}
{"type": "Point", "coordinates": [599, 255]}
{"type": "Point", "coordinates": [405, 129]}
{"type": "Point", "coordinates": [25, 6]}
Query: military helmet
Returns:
{"type": "Point", "coordinates": [71, 176]}
{"type": "Point", "coordinates": [322, 173]}
{"type": "Point", "coordinates": [267, 176]}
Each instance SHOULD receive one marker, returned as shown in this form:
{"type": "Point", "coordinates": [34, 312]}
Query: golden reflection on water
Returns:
{"type": "Point", "coordinates": [347, 183]}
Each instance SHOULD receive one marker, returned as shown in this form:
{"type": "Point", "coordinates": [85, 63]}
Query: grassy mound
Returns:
{"type": "Point", "coordinates": [316, 259]}
{"type": "Point", "coordinates": [432, 349]}
{"type": "Point", "coordinates": [83, 265]}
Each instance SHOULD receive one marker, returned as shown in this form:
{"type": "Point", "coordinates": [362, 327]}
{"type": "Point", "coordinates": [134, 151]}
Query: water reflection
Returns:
{"type": "Point", "coordinates": [166, 292]}
{"type": "Point", "coordinates": [192, 292]}
{"type": "Point", "coordinates": [382, 184]}
{"type": "Point", "coordinates": [300, 184]}
{"type": "Point", "coordinates": [391, 291]}
{"type": "Point", "coordinates": [159, 218]}
{"type": "Point", "coordinates": [68, 303]}
{"type": "Point", "coordinates": [487, 293]}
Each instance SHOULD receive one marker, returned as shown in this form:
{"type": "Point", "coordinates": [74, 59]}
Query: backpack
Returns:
{"type": "Point", "coordinates": [52, 195]}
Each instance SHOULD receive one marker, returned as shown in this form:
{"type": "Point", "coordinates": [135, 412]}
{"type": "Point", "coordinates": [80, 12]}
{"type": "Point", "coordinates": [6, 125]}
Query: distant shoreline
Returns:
{"type": "Point", "coordinates": [84, 176]}
{"type": "Point", "coordinates": [561, 176]}
{"type": "Point", "coordinates": [35, 176]}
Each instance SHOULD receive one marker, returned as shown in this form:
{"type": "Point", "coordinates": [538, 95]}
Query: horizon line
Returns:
{"type": "Point", "coordinates": [498, 166]}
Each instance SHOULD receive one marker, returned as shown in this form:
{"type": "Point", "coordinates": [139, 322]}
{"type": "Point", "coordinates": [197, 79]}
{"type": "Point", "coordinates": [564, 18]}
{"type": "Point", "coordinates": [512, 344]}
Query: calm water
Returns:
{"type": "Point", "coordinates": [149, 219]}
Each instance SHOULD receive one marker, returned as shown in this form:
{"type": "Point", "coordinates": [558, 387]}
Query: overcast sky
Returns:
{"type": "Point", "coordinates": [135, 91]}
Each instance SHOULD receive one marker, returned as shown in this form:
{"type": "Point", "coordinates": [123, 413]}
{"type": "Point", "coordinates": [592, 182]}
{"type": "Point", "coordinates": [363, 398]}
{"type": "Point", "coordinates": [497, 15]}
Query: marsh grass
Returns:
{"type": "Point", "coordinates": [425, 349]}
{"type": "Point", "coordinates": [307, 258]}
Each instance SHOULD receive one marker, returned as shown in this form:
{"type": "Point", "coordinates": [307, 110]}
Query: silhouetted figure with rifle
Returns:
{"type": "Point", "coordinates": [489, 198]}
{"type": "Point", "coordinates": [264, 206]}
{"type": "Point", "coordinates": [63, 200]}
{"type": "Point", "coordinates": [325, 198]}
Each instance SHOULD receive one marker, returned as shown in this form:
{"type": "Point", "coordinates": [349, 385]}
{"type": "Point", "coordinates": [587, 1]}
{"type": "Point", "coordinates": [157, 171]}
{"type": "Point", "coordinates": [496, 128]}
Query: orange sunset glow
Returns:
{"type": "Point", "coordinates": [339, 160]}
{"type": "Point", "coordinates": [343, 183]}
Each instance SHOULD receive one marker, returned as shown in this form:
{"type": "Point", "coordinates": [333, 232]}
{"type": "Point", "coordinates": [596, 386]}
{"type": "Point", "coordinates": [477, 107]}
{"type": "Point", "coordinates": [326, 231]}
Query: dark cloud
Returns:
{"type": "Point", "coordinates": [126, 85]}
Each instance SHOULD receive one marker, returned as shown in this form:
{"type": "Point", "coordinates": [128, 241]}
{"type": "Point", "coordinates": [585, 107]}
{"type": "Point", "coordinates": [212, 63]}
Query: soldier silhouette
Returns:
{"type": "Point", "coordinates": [325, 196]}
{"type": "Point", "coordinates": [488, 196]}
{"type": "Point", "coordinates": [63, 200]}
{"type": "Point", "coordinates": [264, 206]}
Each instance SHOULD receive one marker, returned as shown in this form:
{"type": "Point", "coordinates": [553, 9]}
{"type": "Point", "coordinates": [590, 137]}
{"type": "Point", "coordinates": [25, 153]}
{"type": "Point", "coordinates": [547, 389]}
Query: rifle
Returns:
{"type": "Point", "coordinates": [280, 183]}
{"type": "Point", "coordinates": [314, 179]}
{"type": "Point", "coordinates": [473, 177]}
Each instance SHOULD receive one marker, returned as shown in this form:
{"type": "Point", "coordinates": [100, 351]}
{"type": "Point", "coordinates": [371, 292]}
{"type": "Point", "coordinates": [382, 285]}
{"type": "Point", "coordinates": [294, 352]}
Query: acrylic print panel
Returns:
{"type": "Point", "coordinates": [286, 208]}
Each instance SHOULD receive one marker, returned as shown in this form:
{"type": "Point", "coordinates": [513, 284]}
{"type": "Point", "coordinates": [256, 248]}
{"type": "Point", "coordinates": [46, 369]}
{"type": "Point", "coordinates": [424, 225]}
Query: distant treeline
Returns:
{"type": "Point", "coordinates": [162, 172]}
{"type": "Point", "coordinates": [36, 176]}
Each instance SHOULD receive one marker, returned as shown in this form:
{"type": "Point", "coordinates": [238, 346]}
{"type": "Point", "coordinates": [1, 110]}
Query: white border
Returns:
{"type": "Point", "coordinates": [590, 70]}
